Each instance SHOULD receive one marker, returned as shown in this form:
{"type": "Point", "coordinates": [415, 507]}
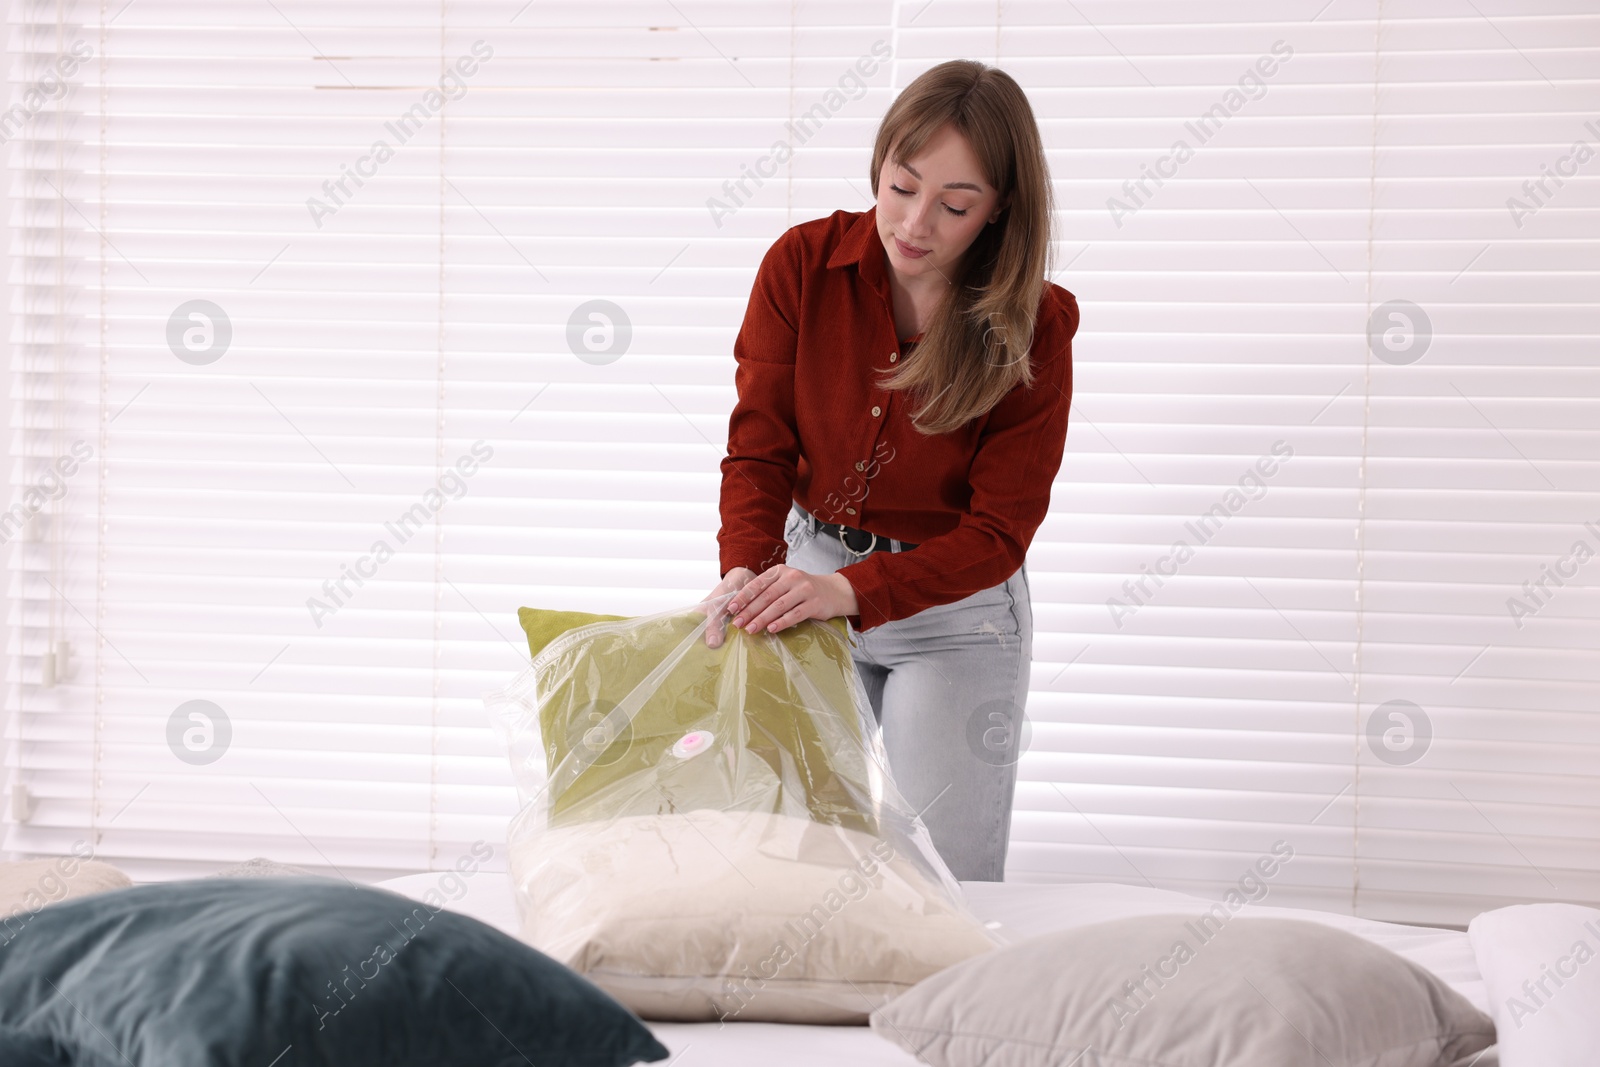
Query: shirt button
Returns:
{"type": "Point", "coordinates": [849, 511]}
{"type": "Point", "coordinates": [893, 356]}
{"type": "Point", "coordinates": [860, 466]}
{"type": "Point", "coordinates": [876, 411]}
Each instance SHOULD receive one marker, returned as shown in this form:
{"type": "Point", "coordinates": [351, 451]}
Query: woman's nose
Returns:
{"type": "Point", "coordinates": [917, 220]}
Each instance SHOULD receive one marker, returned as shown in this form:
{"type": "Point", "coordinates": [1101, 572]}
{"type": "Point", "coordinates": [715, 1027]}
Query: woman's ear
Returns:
{"type": "Point", "coordinates": [1004, 203]}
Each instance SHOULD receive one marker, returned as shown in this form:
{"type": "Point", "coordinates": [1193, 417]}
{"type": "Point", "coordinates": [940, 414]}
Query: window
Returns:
{"type": "Point", "coordinates": [341, 330]}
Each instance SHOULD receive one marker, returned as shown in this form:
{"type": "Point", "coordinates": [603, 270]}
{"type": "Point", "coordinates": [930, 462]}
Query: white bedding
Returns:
{"type": "Point", "coordinates": [1019, 910]}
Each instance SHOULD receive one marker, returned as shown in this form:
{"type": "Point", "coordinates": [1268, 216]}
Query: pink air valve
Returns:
{"type": "Point", "coordinates": [692, 743]}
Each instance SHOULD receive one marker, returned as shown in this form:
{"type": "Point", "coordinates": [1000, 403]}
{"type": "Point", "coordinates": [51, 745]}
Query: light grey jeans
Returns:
{"type": "Point", "coordinates": [949, 687]}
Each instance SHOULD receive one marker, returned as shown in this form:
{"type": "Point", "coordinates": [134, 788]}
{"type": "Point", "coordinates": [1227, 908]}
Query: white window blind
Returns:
{"type": "Point", "coordinates": [315, 286]}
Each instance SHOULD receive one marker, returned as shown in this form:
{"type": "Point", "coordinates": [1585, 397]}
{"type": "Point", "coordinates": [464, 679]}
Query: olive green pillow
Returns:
{"type": "Point", "coordinates": [785, 713]}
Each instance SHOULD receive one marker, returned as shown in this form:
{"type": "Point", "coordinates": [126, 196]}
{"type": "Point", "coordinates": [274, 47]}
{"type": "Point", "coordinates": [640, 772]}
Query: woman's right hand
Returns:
{"type": "Point", "coordinates": [715, 605]}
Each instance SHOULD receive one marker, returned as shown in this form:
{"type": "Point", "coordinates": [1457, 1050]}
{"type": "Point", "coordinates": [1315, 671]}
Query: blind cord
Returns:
{"type": "Point", "coordinates": [1361, 478]}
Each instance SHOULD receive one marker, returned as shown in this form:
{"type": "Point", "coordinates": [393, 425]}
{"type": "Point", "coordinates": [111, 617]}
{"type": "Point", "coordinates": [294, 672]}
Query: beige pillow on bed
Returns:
{"type": "Point", "coordinates": [29, 885]}
{"type": "Point", "coordinates": [748, 916]}
{"type": "Point", "coordinates": [1187, 991]}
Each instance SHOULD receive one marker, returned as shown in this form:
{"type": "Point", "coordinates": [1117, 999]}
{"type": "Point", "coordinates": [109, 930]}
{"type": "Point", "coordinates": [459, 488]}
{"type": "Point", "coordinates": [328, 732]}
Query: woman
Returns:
{"type": "Point", "coordinates": [911, 514]}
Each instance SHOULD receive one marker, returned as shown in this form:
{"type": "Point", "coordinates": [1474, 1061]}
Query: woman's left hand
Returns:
{"type": "Point", "coordinates": [781, 596]}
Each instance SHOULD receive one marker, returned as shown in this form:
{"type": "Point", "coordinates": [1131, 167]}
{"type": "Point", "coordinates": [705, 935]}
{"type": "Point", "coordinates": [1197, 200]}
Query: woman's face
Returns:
{"type": "Point", "coordinates": [933, 206]}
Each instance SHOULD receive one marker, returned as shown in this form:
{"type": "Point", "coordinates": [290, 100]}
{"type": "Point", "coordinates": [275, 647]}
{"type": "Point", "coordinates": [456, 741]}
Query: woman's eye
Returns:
{"type": "Point", "coordinates": [947, 207]}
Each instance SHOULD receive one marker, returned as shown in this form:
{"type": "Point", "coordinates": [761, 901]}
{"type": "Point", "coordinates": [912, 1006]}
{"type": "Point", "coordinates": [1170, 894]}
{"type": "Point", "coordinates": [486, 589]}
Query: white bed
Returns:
{"type": "Point", "coordinates": [1020, 910]}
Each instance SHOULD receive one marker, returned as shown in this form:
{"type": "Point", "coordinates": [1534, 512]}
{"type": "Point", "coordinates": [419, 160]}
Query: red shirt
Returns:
{"type": "Point", "coordinates": [812, 426]}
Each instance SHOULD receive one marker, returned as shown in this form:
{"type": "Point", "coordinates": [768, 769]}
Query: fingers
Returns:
{"type": "Point", "coordinates": [749, 596]}
{"type": "Point", "coordinates": [770, 608]}
{"type": "Point", "coordinates": [715, 608]}
{"type": "Point", "coordinates": [768, 619]}
{"type": "Point", "coordinates": [774, 600]}
{"type": "Point", "coordinates": [782, 622]}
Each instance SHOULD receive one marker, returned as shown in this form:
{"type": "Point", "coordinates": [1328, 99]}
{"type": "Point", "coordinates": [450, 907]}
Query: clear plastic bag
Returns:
{"type": "Point", "coordinates": [714, 833]}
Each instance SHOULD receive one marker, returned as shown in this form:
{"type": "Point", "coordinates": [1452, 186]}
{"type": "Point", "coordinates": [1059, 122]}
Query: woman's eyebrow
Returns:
{"type": "Point", "coordinates": [948, 185]}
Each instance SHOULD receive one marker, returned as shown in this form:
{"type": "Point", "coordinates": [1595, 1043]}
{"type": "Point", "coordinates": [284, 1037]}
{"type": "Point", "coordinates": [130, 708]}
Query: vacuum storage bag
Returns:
{"type": "Point", "coordinates": [712, 833]}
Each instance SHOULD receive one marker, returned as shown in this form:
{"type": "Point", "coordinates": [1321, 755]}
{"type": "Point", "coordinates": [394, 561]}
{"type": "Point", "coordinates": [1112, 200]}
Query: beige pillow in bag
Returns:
{"type": "Point", "coordinates": [723, 842]}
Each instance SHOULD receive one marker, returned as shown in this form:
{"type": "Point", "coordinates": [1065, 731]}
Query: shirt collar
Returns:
{"type": "Point", "coordinates": [860, 245]}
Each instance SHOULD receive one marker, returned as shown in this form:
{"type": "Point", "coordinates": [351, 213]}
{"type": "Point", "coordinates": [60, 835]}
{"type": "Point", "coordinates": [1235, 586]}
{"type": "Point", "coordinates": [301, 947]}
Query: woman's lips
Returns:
{"type": "Point", "coordinates": [910, 251]}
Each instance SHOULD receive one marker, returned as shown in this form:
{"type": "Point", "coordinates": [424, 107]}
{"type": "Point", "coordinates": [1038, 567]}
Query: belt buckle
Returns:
{"type": "Point", "coordinates": [870, 544]}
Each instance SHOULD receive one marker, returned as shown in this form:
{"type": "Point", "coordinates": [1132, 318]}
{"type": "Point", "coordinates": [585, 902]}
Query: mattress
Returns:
{"type": "Point", "coordinates": [1012, 911]}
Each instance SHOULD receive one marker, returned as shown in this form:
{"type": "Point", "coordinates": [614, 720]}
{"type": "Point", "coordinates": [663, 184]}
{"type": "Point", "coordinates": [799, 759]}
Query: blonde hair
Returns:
{"type": "Point", "coordinates": [975, 347]}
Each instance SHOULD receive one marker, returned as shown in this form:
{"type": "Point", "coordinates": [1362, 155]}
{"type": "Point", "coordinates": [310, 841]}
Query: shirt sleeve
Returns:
{"type": "Point", "coordinates": [762, 464]}
{"type": "Point", "coordinates": [1018, 455]}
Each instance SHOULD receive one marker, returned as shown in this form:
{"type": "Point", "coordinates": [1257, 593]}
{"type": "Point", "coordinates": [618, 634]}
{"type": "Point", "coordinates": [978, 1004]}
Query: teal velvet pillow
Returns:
{"type": "Point", "coordinates": [293, 972]}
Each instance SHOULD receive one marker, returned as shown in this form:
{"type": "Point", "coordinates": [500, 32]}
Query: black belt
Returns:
{"type": "Point", "coordinates": [858, 541]}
